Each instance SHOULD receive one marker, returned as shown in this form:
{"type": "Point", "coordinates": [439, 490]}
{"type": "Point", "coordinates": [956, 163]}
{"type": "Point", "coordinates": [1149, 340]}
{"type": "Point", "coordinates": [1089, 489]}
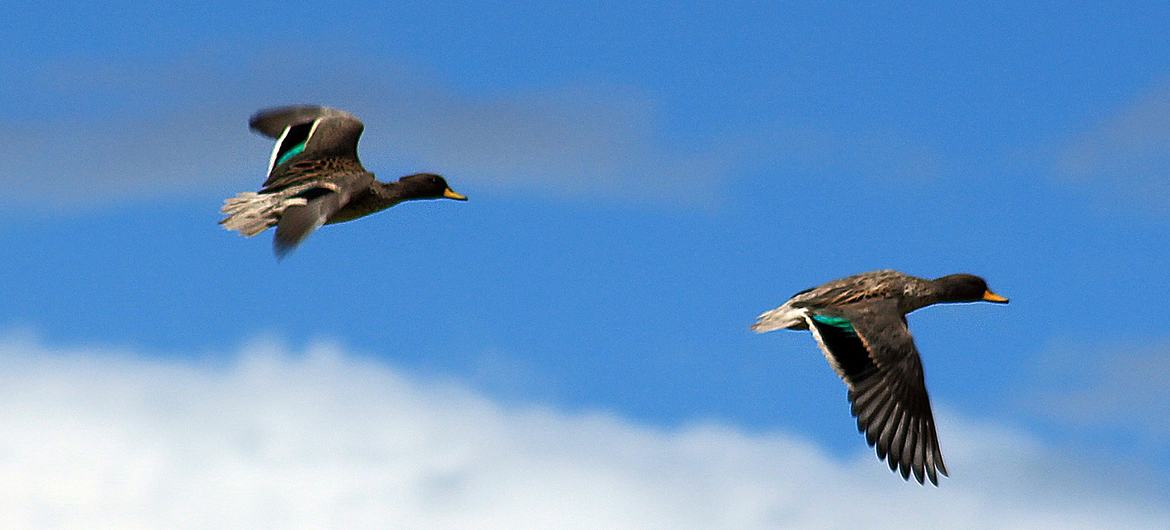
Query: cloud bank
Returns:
{"type": "Point", "coordinates": [269, 438]}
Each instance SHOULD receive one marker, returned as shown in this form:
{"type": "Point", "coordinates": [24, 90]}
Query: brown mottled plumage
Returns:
{"type": "Point", "coordinates": [315, 178]}
{"type": "Point", "coordinates": [859, 322]}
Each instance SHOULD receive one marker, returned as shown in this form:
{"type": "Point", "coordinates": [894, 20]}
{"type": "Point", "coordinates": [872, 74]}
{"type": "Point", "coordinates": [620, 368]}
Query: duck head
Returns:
{"type": "Point", "coordinates": [427, 186]}
{"type": "Point", "coordinates": [966, 288]}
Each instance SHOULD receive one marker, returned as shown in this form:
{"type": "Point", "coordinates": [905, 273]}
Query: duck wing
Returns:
{"type": "Point", "coordinates": [870, 347]}
{"type": "Point", "coordinates": [314, 164]}
{"type": "Point", "coordinates": [314, 205]}
{"type": "Point", "coordinates": [311, 142]}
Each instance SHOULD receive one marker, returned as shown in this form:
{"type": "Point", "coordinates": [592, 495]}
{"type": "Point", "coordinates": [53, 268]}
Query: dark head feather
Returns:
{"type": "Point", "coordinates": [963, 288]}
{"type": "Point", "coordinates": [426, 186]}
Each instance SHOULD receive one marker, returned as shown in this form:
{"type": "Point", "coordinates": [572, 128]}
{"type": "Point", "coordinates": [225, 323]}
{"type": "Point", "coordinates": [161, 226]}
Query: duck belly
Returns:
{"type": "Point", "coordinates": [360, 206]}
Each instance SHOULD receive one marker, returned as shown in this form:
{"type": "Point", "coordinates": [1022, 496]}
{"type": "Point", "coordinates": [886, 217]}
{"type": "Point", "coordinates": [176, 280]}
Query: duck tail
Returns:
{"type": "Point", "coordinates": [250, 213]}
{"type": "Point", "coordinates": [782, 317]}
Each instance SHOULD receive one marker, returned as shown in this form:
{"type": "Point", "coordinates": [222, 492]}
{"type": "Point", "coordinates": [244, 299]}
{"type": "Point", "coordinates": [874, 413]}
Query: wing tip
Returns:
{"type": "Point", "coordinates": [270, 121]}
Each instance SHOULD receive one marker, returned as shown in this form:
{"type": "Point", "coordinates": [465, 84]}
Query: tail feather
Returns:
{"type": "Point", "coordinates": [783, 317]}
{"type": "Point", "coordinates": [250, 213]}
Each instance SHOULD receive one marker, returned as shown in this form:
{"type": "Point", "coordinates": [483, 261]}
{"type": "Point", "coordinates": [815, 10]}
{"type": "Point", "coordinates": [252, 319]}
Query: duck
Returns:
{"type": "Point", "coordinates": [315, 178]}
{"type": "Point", "coordinates": [859, 323]}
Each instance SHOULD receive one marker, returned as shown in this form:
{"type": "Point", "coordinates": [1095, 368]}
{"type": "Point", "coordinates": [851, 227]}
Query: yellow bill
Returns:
{"type": "Point", "coordinates": [992, 297]}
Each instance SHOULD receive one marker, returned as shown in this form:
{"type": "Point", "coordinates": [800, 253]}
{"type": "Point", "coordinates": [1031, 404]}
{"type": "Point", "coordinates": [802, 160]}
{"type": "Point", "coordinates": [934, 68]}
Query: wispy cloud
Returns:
{"type": "Point", "coordinates": [1112, 386]}
{"type": "Point", "coordinates": [101, 133]}
{"type": "Point", "coordinates": [273, 438]}
{"type": "Point", "coordinates": [115, 132]}
{"type": "Point", "coordinates": [1128, 153]}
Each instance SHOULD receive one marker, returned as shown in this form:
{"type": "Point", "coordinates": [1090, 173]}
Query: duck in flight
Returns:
{"type": "Point", "coordinates": [859, 322]}
{"type": "Point", "coordinates": [315, 178]}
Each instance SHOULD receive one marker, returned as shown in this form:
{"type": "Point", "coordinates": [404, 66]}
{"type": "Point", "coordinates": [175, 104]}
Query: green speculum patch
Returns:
{"type": "Point", "coordinates": [837, 322]}
{"type": "Point", "coordinates": [294, 142]}
{"type": "Point", "coordinates": [296, 150]}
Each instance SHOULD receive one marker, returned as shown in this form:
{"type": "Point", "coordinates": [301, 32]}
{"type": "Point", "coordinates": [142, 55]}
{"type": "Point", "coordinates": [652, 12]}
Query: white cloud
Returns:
{"type": "Point", "coordinates": [116, 132]}
{"type": "Point", "coordinates": [325, 439]}
{"type": "Point", "coordinates": [1128, 152]}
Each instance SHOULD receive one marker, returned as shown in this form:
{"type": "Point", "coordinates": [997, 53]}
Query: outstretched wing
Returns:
{"type": "Point", "coordinates": [272, 122]}
{"type": "Point", "coordinates": [309, 139]}
{"type": "Point", "coordinates": [870, 347]}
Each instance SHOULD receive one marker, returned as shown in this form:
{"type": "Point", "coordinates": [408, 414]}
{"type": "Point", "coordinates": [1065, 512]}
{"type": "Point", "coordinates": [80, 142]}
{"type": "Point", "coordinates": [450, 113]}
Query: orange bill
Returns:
{"type": "Point", "coordinates": [992, 297]}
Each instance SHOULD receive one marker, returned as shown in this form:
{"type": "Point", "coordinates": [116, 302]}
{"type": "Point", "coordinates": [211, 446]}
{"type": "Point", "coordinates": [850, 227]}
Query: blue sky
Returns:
{"type": "Point", "coordinates": [643, 182]}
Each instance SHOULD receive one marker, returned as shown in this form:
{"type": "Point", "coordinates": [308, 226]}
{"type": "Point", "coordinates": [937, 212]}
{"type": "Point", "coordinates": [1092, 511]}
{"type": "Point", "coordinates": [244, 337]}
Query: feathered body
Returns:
{"type": "Point", "coordinates": [910, 292]}
{"type": "Point", "coordinates": [859, 324]}
{"type": "Point", "coordinates": [315, 178]}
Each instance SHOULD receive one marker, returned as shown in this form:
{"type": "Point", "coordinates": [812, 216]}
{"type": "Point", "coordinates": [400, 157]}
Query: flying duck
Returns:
{"type": "Point", "coordinates": [859, 322]}
{"type": "Point", "coordinates": [315, 178]}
